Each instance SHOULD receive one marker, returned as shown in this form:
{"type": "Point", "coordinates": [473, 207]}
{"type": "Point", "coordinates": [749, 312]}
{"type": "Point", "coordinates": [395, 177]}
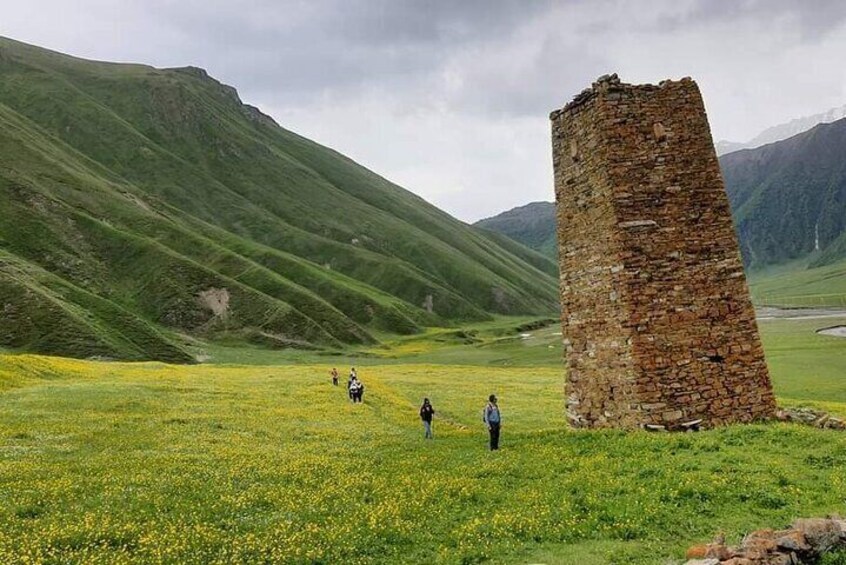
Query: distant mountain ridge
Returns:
{"type": "Point", "coordinates": [789, 198]}
{"type": "Point", "coordinates": [783, 131]}
{"type": "Point", "coordinates": [788, 201]}
{"type": "Point", "coordinates": [145, 207]}
{"type": "Point", "coordinates": [533, 225]}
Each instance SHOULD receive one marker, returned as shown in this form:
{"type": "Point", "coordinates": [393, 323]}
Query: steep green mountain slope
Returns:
{"type": "Point", "coordinates": [789, 197]}
{"type": "Point", "coordinates": [533, 225]}
{"type": "Point", "coordinates": [788, 200]}
{"type": "Point", "coordinates": [139, 204]}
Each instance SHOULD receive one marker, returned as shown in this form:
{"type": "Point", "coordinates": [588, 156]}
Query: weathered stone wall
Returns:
{"type": "Point", "coordinates": [656, 315]}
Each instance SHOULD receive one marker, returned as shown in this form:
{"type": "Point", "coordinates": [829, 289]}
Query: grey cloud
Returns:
{"type": "Point", "coordinates": [814, 18]}
{"type": "Point", "coordinates": [297, 49]}
{"type": "Point", "coordinates": [443, 22]}
{"type": "Point", "coordinates": [450, 97]}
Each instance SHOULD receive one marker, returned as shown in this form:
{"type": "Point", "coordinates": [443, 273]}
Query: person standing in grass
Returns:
{"type": "Point", "coordinates": [493, 420]}
{"type": "Point", "coordinates": [356, 390]}
{"type": "Point", "coordinates": [334, 374]}
{"type": "Point", "coordinates": [350, 381]}
{"type": "Point", "coordinates": [427, 413]}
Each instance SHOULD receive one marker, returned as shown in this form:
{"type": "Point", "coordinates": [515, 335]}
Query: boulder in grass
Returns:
{"type": "Point", "coordinates": [758, 544]}
{"type": "Point", "coordinates": [793, 540]}
{"type": "Point", "coordinates": [697, 551]}
{"type": "Point", "coordinates": [805, 541]}
{"type": "Point", "coordinates": [822, 534]}
{"type": "Point", "coordinates": [719, 551]}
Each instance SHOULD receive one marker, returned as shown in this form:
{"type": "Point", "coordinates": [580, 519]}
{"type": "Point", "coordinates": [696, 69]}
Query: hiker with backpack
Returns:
{"type": "Point", "coordinates": [360, 392]}
{"type": "Point", "coordinates": [350, 380]}
{"type": "Point", "coordinates": [427, 413]}
{"type": "Point", "coordinates": [492, 418]}
{"type": "Point", "coordinates": [356, 390]}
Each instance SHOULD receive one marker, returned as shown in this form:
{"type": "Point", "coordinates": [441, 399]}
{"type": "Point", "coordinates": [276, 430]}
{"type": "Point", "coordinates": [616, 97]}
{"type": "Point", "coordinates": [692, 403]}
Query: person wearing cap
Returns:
{"type": "Point", "coordinates": [493, 420]}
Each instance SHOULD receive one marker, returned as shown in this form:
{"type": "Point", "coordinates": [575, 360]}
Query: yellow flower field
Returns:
{"type": "Point", "coordinates": [150, 463]}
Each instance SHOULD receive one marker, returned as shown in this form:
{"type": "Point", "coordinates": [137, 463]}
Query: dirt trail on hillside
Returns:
{"type": "Point", "coordinates": [769, 313]}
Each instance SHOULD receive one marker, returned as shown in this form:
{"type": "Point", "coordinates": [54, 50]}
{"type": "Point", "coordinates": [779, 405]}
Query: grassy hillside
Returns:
{"type": "Point", "coordinates": [159, 192]}
{"type": "Point", "coordinates": [789, 198]}
{"type": "Point", "coordinates": [304, 476]}
{"type": "Point", "coordinates": [798, 285]}
{"type": "Point", "coordinates": [533, 225]}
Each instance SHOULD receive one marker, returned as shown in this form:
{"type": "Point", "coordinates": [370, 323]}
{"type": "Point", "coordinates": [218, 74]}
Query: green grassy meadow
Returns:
{"type": "Point", "coordinates": [265, 461]}
{"type": "Point", "coordinates": [798, 285]}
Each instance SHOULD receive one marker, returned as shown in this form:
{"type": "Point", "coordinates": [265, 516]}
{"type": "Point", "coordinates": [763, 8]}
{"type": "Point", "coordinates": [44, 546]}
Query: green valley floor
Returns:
{"type": "Point", "coordinates": [266, 461]}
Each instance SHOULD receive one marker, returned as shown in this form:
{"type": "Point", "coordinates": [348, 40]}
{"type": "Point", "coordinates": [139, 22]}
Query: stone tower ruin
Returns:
{"type": "Point", "coordinates": [657, 321]}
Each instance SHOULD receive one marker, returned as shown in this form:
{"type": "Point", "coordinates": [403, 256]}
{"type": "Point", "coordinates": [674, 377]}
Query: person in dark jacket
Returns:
{"type": "Point", "coordinates": [356, 390]}
{"type": "Point", "coordinates": [493, 420]}
{"type": "Point", "coordinates": [427, 413]}
{"type": "Point", "coordinates": [360, 394]}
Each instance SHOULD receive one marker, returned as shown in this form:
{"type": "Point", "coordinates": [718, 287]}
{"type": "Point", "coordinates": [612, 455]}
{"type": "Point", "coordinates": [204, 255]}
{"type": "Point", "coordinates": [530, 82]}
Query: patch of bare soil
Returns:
{"type": "Point", "coordinates": [216, 300]}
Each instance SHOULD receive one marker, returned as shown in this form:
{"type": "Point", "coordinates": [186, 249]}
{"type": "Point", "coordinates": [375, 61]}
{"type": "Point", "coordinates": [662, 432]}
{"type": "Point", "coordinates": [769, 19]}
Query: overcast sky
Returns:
{"type": "Point", "coordinates": [450, 99]}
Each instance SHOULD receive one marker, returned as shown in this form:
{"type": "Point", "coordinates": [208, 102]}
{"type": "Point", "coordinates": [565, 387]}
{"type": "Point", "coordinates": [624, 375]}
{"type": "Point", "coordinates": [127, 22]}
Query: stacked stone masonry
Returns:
{"type": "Point", "coordinates": [657, 322]}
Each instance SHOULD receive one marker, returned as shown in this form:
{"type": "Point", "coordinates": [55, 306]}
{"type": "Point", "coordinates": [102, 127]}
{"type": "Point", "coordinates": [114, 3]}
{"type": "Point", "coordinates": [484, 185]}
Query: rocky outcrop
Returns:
{"type": "Point", "coordinates": [811, 417]}
{"type": "Point", "coordinates": [805, 541]}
